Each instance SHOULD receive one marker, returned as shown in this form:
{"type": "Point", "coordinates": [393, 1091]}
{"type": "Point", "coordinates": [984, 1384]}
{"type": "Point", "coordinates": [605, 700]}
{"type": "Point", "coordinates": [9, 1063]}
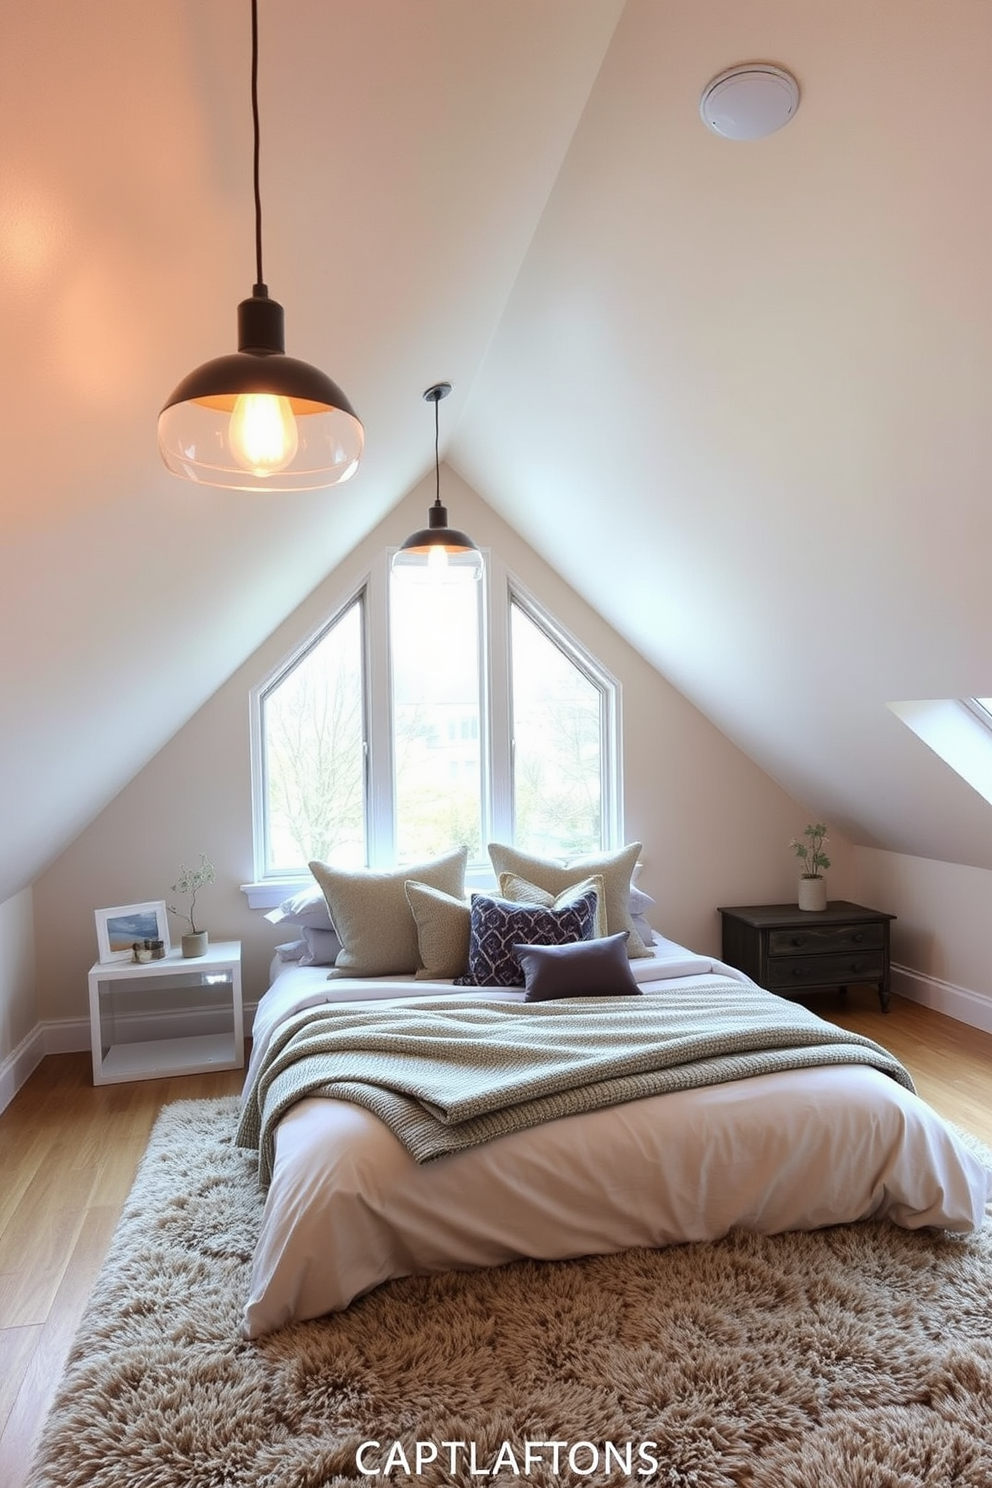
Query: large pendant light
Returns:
{"type": "Point", "coordinates": [257, 419]}
{"type": "Point", "coordinates": [438, 553]}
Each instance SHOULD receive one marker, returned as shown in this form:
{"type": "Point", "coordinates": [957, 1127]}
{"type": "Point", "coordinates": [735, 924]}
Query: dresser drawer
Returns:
{"type": "Point", "coordinates": [789, 972]}
{"type": "Point", "coordinates": [821, 940]}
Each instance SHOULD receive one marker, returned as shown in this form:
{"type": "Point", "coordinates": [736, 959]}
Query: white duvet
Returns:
{"type": "Point", "coordinates": [348, 1207]}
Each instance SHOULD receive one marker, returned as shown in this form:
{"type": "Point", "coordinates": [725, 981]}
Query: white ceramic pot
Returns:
{"type": "Point", "coordinates": [812, 893]}
{"type": "Point", "coordinates": [195, 945]}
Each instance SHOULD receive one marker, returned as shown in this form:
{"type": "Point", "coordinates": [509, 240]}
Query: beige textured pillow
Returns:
{"type": "Point", "coordinates": [512, 886]}
{"type": "Point", "coordinates": [369, 910]}
{"type": "Point", "coordinates": [443, 925]}
{"type": "Point", "coordinates": [555, 875]}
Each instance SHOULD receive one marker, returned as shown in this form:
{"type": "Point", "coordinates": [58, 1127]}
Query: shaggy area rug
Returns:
{"type": "Point", "coordinates": [857, 1357]}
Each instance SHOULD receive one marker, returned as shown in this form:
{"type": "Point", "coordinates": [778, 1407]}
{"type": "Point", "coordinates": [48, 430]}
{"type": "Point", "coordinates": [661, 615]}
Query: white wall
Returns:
{"type": "Point", "coordinates": [715, 828]}
{"type": "Point", "coordinates": [18, 1005]}
{"type": "Point", "coordinates": [940, 942]}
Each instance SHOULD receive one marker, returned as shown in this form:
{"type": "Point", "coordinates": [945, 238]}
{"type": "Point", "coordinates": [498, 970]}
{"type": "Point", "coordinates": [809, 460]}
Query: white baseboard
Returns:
{"type": "Point", "coordinates": [62, 1036]}
{"type": "Point", "coordinates": [21, 1064]}
{"type": "Point", "coordinates": [66, 1035]}
{"type": "Point", "coordinates": [973, 1008]}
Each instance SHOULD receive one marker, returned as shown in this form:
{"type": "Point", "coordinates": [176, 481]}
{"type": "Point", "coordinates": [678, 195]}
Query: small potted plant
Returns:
{"type": "Point", "coordinates": [190, 882]}
{"type": "Point", "coordinates": [809, 850]}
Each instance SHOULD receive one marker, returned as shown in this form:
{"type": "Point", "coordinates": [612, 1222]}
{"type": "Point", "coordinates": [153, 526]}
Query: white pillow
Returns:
{"type": "Point", "coordinates": [307, 907]}
{"type": "Point", "coordinates": [321, 947]}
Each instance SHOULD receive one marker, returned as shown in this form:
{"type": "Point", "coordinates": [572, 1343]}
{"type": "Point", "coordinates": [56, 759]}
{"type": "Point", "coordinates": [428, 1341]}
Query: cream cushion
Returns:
{"type": "Point", "coordinates": [555, 875]}
{"type": "Point", "coordinates": [443, 924]}
{"type": "Point", "coordinates": [512, 886]}
{"type": "Point", "coordinates": [371, 914]}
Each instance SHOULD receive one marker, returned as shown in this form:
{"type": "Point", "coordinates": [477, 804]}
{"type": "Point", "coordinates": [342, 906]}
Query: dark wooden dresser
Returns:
{"type": "Point", "coordinates": [793, 951]}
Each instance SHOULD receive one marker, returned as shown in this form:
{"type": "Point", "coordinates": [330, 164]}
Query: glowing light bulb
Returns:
{"type": "Point", "coordinates": [263, 433]}
{"type": "Point", "coordinates": [437, 561]}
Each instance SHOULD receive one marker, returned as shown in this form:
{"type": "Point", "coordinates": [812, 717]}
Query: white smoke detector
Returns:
{"type": "Point", "coordinates": [749, 101]}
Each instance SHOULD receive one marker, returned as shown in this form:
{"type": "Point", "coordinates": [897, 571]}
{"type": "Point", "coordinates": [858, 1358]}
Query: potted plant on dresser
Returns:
{"type": "Point", "coordinates": [809, 850]}
{"type": "Point", "coordinates": [190, 882]}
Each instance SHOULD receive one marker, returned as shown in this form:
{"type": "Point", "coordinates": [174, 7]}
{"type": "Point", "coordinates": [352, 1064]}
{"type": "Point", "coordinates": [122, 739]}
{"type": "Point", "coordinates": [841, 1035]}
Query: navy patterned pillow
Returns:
{"type": "Point", "coordinates": [497, 925]}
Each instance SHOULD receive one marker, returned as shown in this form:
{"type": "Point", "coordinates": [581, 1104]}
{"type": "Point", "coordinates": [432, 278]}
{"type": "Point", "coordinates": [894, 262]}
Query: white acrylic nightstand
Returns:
{"type": "Point", "coordinates": [178, 1016]}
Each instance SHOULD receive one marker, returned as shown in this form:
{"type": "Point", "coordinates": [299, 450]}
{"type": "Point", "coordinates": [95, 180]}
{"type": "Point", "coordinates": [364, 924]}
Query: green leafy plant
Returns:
{"type": "Point", "coordinates": [191, 881]}
{"type": "Point", "coordinates": [809, 849]}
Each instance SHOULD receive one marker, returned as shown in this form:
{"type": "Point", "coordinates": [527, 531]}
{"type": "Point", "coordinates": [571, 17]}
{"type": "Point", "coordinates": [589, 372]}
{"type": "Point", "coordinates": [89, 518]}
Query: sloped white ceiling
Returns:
{"type": "Point", "coordinates": [763, 370]}
{"type": "Point", "coordinates": [736, 393]}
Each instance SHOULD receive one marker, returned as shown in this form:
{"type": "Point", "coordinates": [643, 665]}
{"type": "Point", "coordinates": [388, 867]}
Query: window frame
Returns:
{"type": "Point", "coordinates": [604, 683]}
{"type": "Point", "coordinates": [981, 712]}
{"type": "Point", "coordinates": [257, 754]}
{"type": "Point", "coordinates": [498, 590]}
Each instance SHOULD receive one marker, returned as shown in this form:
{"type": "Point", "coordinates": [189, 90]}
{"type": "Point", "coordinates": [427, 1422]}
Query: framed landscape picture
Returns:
{"type": "Point", "coordinates": [117, 929]}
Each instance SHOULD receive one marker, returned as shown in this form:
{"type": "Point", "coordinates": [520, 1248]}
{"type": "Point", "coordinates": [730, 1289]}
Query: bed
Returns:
{"type": "Point", "coordinates": [349, 1207]}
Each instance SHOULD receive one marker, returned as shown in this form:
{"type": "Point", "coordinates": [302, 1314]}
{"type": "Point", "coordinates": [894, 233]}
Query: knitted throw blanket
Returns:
{"type": "Point", "coordinates": [449, 1073]}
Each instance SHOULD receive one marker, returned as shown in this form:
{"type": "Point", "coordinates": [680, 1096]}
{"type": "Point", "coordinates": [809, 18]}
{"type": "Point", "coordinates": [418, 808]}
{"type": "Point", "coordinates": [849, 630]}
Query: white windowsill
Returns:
{"type": "Point", "coordinates": [268, 894]}
{"type": "Point", "coordinates": [271, 892]}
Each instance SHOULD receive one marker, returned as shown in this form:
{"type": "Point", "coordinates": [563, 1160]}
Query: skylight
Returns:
{"type": "Point", "coordinates": [982, 707]}
{"type": "Point", "coordinates": [959, 730]}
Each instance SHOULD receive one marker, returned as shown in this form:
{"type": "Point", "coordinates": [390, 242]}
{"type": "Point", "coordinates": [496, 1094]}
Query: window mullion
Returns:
{"type": "Point", "coordinates": [611, 764]}
{"type": "Point", "coordinates": [379, 729]}
{"type": "Point", "coordinates": [259, 784]}
{"type": "Point", "coordinates": [498, 784]}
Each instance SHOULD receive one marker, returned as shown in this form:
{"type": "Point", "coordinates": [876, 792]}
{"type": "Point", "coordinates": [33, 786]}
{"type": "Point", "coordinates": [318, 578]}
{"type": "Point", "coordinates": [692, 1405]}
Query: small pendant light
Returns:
{"type": "Point", "coordinates": [438, 553]}
{"type": "Point", "coordinates": [257, 419]}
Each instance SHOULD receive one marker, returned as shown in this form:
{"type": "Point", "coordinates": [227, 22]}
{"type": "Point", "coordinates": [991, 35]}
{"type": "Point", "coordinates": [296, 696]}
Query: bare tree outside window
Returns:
{"type": "Point", "coordinates": [557, 746]}
{"type": "Point", "coordinates": [313, 728]}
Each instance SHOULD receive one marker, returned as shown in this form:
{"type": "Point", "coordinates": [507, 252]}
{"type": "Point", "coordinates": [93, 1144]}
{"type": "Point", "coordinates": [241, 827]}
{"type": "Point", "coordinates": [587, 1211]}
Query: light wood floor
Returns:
{"type": "Point", "coordinates": [68, 1154]}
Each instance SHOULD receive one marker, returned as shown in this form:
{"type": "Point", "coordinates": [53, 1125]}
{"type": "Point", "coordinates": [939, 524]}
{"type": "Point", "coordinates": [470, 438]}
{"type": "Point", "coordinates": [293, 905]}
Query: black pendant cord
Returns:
{"type": "Point", "coordinates": [260, 287]}
{"type": "Point", "coordinates": [437, 455]}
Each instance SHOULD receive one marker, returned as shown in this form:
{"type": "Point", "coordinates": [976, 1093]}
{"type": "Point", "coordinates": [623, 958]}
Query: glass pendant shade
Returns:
{"type": "Point", "coordinates": [437, 554]}
{"type": "Point", "coordinates": [257, 419]}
